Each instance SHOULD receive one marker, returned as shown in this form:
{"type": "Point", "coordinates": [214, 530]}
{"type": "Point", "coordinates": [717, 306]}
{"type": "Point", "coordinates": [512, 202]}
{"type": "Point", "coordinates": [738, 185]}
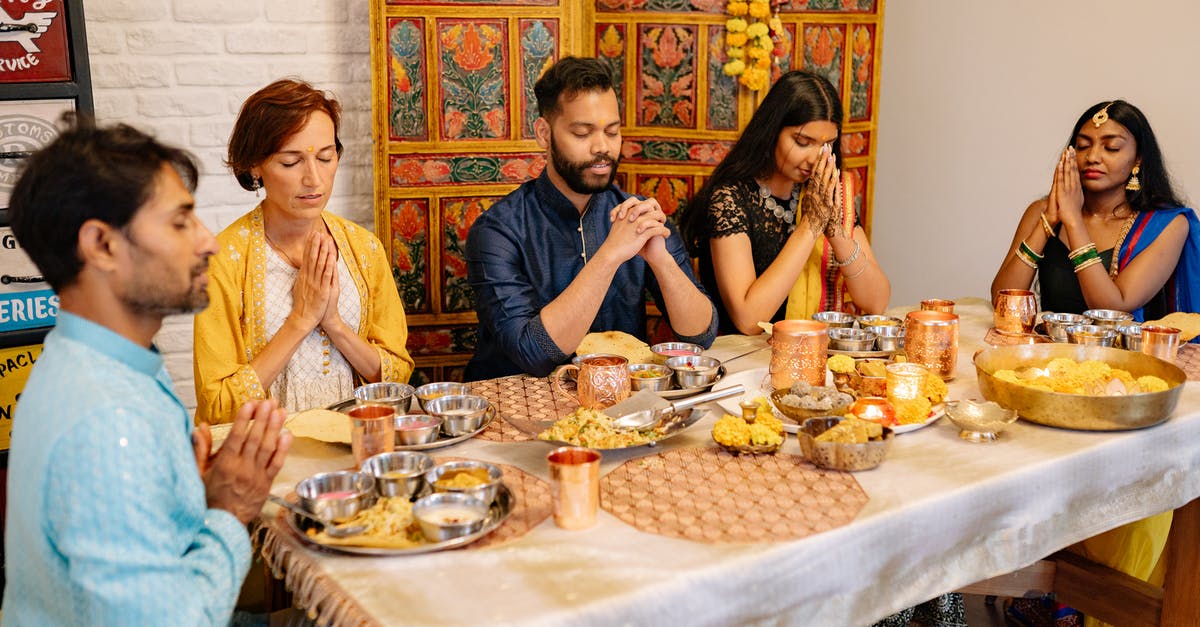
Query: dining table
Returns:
{"type": "Point", "coordinates": [939, 513]}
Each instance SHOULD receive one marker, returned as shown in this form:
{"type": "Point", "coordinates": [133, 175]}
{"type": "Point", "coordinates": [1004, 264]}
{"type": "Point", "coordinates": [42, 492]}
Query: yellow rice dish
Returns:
{"type": "Point", "coordinates": [1088, 378]}
{"type": "Point", "coordinates": [590, 428]}
{"type": "Point", "coordinates": [390, 525]}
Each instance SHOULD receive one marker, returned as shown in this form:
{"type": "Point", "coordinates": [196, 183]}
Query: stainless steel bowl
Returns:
{"type": "Point", "coordinates": [461, 413]}
{"type": "Point", "coordinates": [979, 421]}
{"type": "Point", "coordinates": [1091, 335]}
{"type": "Point", "coordinates": [400, 473]}
{"type": "Point", "coordinates": [879, 320]}
{"type": "Point", "coordinates": [851, 339]}
{"type": "Point", "coordinates": [398, 395]}
{"type": "Point", "coordinates": [430, 391]}
{"type": "Point", "coordinates": [1076, 411]}
{"type": "Point", "coordinates": [889, 338]}
{"type": "Point", "coordinates": [694, 370]}
{"type": "Point", "coordinates": [1108, 317]}
{"type": "Point", "coordinates": [485, 492]}
{"type": "Point", "coordinates": [1131, 336]}
{"type": "Point", "coordinates": [653, 377]}
{"type": "Point", "coordinates": [1057, 324]}
{"type": "Point", "coordinates": [834, 319]}
{"type": "Point", "coordinates": [337, 496]}
{"type": "Point", "coordinates": [446, 516]}
{"type": "Point", "coordinates": [666, 350]}
{"type": "Point", "coordinates": [413, 429]}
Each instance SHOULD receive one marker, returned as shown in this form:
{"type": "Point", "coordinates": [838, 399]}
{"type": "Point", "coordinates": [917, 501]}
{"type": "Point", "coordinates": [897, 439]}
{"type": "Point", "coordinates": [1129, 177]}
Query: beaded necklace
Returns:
{"type": "Point", "coordinates": [1112, 265]}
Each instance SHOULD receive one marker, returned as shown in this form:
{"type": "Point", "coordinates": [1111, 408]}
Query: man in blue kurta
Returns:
{"type": "Point", "coordinates": [568, 252]}
{"type": "Point", "coordinates": [118, 512]}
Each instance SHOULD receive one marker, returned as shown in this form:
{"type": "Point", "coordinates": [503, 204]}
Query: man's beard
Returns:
{"type": "Point", "coordinates": [148, 292]}
{"type": "Point", "coordinates": [575, 174]}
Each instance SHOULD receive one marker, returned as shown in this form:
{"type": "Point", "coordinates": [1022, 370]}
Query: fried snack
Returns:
{"type": "Point", "coordinates": [872, 368]}
{"type": "Point", "coordinates": [911, 410]}
{"type": "Point", "coordinates": [841, 364]}
{"type": "Point", "coordinates": [616, 343]}
{"type": "Point", "coordinates": [852, 431]}
{"type": "Point", "coordinates": [1087, 378]}
{"type": "Point", "coordinates": [934, 388]}
{"type": "Point", "coordinates": [731, 431]}
{"type": "Point", "coordinates": [1187, 323]}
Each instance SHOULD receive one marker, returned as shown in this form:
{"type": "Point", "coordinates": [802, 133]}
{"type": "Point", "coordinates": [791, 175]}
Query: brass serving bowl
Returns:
{"type": "Point", "coordinates": [840, 455]}
{"type": "Point", "coordinates": [799, 415]}
{"type": "Point", "coordinates": [1076, 411]}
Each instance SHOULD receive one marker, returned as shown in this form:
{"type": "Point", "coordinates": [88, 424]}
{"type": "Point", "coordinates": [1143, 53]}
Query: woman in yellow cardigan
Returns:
{"type": "Point", "coordinates": [303, 305]}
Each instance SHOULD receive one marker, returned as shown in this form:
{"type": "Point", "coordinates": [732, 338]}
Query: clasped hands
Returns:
{"type": "Point", "coordinates": [822, 205]}
{"type": "Point", "coordinates": [639, 228]}
{"type": "Point", "coordinates": [315, 292]}
{"type": "Point", "coordinates": [1065, 201]}
{"type": "Point", "coordinates": [238, 477]}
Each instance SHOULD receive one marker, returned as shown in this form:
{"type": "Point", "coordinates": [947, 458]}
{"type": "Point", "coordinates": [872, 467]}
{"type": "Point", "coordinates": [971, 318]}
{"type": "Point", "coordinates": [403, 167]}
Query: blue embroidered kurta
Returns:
{"type": "Point", "coordinates": [107, 518]}
{"type": "Point", "coordinates": [524, 251]}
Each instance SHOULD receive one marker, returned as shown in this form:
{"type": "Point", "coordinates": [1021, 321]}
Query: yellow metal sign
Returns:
{"type": "Point", "coordinates": [15, 364]}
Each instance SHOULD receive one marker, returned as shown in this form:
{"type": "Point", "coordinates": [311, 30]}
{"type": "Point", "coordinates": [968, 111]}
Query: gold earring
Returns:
{"type": "Point", "coordinates": [1134, 184]}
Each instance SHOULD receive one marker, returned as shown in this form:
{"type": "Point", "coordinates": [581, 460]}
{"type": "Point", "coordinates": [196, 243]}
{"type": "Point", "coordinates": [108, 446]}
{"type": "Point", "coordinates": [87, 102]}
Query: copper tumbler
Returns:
{"type": "Point", "coordinates": [1015, 311]}
{"type": "Point", "coordinates": [574, 486]}
{"type": "Point", "coordinates": [1160, 342]}
{"type": "Point", "coordinates": [938, 304]}
{"type": "Point", "coordinates": [798, 352]}
{"type": "Point", "coordinates": [372, 430]}
{"type": "Point", "coordinates": [931, 339]}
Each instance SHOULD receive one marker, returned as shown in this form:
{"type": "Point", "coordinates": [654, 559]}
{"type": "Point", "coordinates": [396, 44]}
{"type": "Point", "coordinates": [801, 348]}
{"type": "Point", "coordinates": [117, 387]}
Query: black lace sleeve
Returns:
{"type": "Point", "coordinates": [727, 212]}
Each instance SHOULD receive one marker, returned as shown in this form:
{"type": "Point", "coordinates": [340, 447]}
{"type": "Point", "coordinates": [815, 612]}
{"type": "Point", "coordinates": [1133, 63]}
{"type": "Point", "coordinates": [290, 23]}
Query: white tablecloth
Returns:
{"type": "Point", "coordinates": [943, 513]}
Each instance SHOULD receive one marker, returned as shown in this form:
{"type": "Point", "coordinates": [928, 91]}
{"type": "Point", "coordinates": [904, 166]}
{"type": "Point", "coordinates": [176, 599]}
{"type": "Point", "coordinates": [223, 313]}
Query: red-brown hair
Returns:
{"type": "Point", "coordinates": [269, 117]}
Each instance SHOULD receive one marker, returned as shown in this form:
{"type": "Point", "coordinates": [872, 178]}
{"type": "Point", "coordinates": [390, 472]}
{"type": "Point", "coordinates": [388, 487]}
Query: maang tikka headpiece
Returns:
{"type": "Point", "coordinates": [1102, 115]}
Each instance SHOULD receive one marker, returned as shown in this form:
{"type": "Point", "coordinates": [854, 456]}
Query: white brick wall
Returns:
{"type": "Point", "coordinates": [181, 69]}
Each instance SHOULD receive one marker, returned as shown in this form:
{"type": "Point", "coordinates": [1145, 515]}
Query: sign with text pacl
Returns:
{"type": "Point", "coordinates": [33, 42]}
{"type": "Point", "coordinates": [15, 364]}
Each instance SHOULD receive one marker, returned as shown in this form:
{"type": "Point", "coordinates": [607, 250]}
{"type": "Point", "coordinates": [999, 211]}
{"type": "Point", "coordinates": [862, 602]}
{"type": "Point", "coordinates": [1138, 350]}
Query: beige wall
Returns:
{"type": "Point", "coordinates": [976, 100]}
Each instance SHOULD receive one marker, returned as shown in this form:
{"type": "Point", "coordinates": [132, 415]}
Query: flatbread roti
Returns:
{"type": "Point", "coordinates": [616, 343]}
{"type": "Point", "coordinates": [1187, 323]}
{"type": "Point", "coordinates": [325, 425]}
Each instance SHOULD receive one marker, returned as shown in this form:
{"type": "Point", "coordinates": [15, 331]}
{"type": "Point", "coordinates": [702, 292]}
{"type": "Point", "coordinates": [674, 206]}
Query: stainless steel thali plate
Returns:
{"type": "Point", "coordinates": [501, 508]}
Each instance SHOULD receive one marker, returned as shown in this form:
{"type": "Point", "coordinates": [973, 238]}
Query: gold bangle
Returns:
{"type": "Point", "coordinates": [1081, 250]}
{"type": "Point", "coordinates": [1046, 225]}
{"type": "Point", "coordinates": [1087, 264]}
{"type": "Point", "coordinates": [1025, 260]}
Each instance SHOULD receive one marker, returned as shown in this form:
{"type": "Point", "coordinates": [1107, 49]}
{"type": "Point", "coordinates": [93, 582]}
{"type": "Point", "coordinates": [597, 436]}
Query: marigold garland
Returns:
{"type": "Point", "coordinates": [751, 35]}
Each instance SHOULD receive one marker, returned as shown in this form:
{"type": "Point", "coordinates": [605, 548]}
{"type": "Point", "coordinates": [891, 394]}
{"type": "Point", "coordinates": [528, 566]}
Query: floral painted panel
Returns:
{"type": "Point", "coordinates": [667, 67]}
{"type": "Point", "coordinates": [856, 144]}
{"type": "Point", "coordinates": [473, 73]}
{"type": "Point", "coordinates": [406, 79]}
{"type": "Point", "coordinates": [832, 6]}
{"type": "Point", "coordinates": [442, 340]}
{"type": "Point", "coordinates": [785, 50]}
{"type": "Point", "coordinates": [858, 178]}
{"type": "Point", "coordinates": [673, 6]}
{"type": "Point", "coordinates": [458, 214]}
{"type": "Point", "coordinates": [646, 150]}
{"type": "Point", "coordinates": [410, 253]}
{"type": "Point", "coordinates": [423, 170]}
{"type": "Point", "coordinates": [722, 88]}
{"type": "Point", "coordinates": [824, 47]}
{"type": "Point", "coordinates": [610, 50]}
{"type": "Point", "coordinates": [671, 192]}
{"type": "Point", "coordinates": [434, 3]}
{"type": "Point", "coordinates": [539, 44]}
{"type": "Point", "coordinates": [862, 59]}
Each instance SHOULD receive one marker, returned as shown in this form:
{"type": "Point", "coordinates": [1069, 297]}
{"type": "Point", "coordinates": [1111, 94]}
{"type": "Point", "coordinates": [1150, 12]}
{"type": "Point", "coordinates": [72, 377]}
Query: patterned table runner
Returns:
{"type": "Point", "coordinates": [524, 397]}
{"type": "Point", "coordinates": [709, 495]}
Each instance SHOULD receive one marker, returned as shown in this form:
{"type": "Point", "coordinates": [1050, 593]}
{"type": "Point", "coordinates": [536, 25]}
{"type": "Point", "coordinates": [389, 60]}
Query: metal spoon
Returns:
{"type": "Point", "coordinates": [746, 354]}
{"type": "Point", "coordinates": [651, 417]}
{"type": "Point", "coordinates": [334, 531]}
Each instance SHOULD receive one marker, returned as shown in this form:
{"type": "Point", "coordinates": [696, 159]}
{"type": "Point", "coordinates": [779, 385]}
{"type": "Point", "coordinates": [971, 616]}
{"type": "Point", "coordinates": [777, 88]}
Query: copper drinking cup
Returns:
{"type": "Point", "coordinates": [798, 352]}
{"type": "Point", "coordinates": [1015, 311]}
{"type": "Point", "coordinates": [931, 340]}
{"type": "Point", "coordinates": [938, 304]}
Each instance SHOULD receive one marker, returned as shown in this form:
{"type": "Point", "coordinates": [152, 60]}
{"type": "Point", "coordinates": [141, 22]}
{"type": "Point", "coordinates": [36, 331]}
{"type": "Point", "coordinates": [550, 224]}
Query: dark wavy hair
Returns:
{"type": "Point", "coordinates": [570, 76]}
{"type": "Point", "coordinates": [86, 173]}
{"type": "Point", "coordinates": [269, 117]}
{"type": "Point", "coordinates": [1157, 190]}
{"type": "Point", "coordinates": [798, 97]}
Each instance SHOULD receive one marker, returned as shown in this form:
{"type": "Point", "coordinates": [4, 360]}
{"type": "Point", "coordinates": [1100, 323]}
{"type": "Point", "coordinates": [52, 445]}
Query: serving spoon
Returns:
{"type": "Point", "coordinates": [334, 531]}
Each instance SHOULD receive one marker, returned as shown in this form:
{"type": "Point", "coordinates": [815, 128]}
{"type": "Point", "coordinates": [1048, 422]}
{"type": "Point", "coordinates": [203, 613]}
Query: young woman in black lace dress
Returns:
{"type": "Point", "coordinates": [770, 228]}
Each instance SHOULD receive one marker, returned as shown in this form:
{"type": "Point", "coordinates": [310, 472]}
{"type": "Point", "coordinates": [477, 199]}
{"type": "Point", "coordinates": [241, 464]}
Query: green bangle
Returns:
{"type": "Point", "coordinates": [1029, 251]}
{"type": "Point", "coordinates": [1084, 257]}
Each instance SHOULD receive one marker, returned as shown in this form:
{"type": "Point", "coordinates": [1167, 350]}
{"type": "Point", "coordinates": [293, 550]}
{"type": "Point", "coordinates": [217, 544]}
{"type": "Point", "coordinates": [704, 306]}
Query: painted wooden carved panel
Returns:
{"type": "Point", "coordinates": [454, 113]}
{"type": "Point", "coordinates": [473, 75]}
